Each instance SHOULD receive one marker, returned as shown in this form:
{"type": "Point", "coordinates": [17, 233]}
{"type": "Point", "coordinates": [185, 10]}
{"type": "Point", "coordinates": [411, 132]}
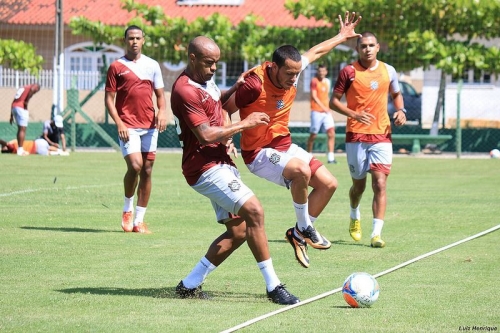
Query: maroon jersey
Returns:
{"type": "Point", "coordinates": [194, 104]}
{"type": "Point", "coordinates": [134, 82]}
{"type": "Point", "coordinates": [22, 97]}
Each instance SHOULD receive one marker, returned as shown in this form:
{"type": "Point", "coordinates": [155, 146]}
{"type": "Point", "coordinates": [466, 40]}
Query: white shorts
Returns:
{"type": "Point", "coordinates": [321, 121]}
{"type": "Point", "coordinates": [223, 186]}
{"type": "Point", "coordinates": [363, 157]}
{"type": "Point", "coordinates": [140, 141]}
{"type": "Point", "coordinates": [21, 116]}
{"type": "Point", "coordinates": [270, 163]}
{"type": "Point", "coordinates": [42, 146]}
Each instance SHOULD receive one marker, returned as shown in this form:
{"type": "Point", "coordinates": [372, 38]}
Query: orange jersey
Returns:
{"type": "Point", "coordinates": [277, 103]}
{"type": "Point", "coordinates": [28, 146]}
{"type": "Point", "coordinates": [369, 92]}
{"type": "Point", "coordinates": [322, 89]}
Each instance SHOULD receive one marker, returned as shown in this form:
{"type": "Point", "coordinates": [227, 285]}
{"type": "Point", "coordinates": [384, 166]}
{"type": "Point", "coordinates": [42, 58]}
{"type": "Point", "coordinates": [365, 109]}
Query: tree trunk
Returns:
{"type": "Point", "coordinates": [439, 104]}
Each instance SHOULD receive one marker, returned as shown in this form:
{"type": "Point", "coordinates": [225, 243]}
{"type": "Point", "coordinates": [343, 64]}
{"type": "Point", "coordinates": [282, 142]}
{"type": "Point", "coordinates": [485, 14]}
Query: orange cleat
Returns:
{"type": "Point", "coordinates": [141, 228]}
{"type": "Point", "coordinates": [127, 221]}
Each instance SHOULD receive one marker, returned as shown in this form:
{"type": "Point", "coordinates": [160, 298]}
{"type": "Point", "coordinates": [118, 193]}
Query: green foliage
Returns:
{"type": "Point", "coordinates": [422, 32]}
{"type": "Point", "coordinates": [20, 55]}
{"type": "Point", "coordinates": [167, 38]}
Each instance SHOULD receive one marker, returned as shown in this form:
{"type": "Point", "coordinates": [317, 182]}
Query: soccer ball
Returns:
{"type": "Point", "coordinates": [495, 153]}
{"type": "Point", "coordinates": [360, 290]}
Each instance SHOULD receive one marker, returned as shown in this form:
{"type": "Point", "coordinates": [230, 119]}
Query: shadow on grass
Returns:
{"type": "Point", "coordinates": [348, 243]}
{"type": "Point", "coordinates": [337, 242]}
{"type": "Point", "coordinates": [168, 292]}
{"type": "Point", "coordinates": [66, 229]}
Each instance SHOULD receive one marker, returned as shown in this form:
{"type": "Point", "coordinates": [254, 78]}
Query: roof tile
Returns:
{"type": "Point", "coordinates": [110, 12]}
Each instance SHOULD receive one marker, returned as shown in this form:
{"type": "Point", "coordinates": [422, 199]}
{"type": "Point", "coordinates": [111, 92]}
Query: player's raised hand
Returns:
{"type": "Point", "coordinates": [348, 25]}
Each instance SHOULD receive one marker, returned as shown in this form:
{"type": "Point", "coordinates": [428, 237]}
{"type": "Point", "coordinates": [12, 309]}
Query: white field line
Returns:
{"type": "Point", "coordinates": [21, 192]}
{"type": "Point", "coordinates": [331, 292]}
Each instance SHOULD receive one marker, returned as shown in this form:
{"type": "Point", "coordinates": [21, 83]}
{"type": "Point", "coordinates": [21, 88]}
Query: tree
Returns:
{"type": "Point", "coordinates": [20, 55]}
{"type": "Point", "coordinates": [423, 33]}
{"type": "Point", "coordinates": [167, 37]}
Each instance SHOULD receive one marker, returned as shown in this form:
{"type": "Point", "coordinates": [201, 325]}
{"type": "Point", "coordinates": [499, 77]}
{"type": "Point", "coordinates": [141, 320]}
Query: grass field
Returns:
{"type": "Point", "coordinates": [66, 266]}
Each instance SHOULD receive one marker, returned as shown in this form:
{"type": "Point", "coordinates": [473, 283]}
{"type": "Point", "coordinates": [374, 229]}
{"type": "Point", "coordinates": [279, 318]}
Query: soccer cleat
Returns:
{"type": "Point", "coordinates": [377, 242]}
{"type": "Point", "coordinates": [299, 247]}
{"type": "Point", "coordinates": [127, 221]}
{"type": "Point", "coordinates": [313, 238]}
{"type": "Point", "coordinates": [141, 228]}
{"type": "Point", "coordinates": [281, 296]}
{"type": "Point", "coordinates": [184, 292]}
{"type": "Point", "coordinates": [332, 162]}
{"type": "Point", "coordinates": [355, 229]}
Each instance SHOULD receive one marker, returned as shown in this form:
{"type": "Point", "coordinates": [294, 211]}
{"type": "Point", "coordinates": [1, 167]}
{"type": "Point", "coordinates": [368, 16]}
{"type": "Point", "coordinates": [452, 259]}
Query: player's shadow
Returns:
{"type": "Point", "coordinates": [348, 243]}
{"type": "Point", "coordinates": [167, 292]}
{"type": "Point", "coordinates": [337, 242]}
{"type": "Point", "coordinates": [277, 241]}
{"type": "Point", "coordinates": [68, 229]}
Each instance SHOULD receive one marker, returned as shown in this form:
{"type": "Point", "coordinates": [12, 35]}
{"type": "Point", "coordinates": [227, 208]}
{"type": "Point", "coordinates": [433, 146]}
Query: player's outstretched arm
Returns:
{"type": "Point", "coordinates": [346, 32]}
{"type": "Point", "coordinates": [208, 134]}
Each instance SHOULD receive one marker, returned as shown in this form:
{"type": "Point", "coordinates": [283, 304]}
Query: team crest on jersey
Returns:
{"type": "Point", "coordinates": [234, 185]}
{"type": "Point", "coordinates": [374, 85]}
{"type": "Point", "coordinates": [280, 104]}
{"type": "Point", "coordinates": [275, 158]}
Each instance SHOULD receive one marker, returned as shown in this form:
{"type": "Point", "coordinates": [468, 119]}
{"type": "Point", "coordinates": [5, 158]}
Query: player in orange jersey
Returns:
{"type": "Point", "coordinates": [321, 115]}
{"type": "Point", "coordinates": [366, 84]}
{"type": "Point", "coordinates": [268, 151]}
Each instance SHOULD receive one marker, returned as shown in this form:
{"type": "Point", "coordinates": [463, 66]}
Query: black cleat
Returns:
{"type": "Point", "coordinates": [184, 292]}
{"type": "Point", "coordinates": [313, 238]}
{"type": "Point", "coordinates": [281, 296]}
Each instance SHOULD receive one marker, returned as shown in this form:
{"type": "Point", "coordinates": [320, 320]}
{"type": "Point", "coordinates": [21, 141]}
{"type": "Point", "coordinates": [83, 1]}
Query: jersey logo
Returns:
{"type": "Point", "coordinates": [234, 185]}
{"type": "Point", "coordinates": [374, 85]}
{"type": "Point", "coordinates": [275, 158]}
{"type": "Point", "coordinates": [280, 104]}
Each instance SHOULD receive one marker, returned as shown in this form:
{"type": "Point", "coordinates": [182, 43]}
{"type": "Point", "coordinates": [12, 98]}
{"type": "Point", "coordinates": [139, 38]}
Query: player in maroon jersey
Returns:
{"type": "Point", "coordinates": [130, 83]}
{"type": "Point", "coordinates": [21, 114]}
{"type": "Point", "coordinates": [204, 134]}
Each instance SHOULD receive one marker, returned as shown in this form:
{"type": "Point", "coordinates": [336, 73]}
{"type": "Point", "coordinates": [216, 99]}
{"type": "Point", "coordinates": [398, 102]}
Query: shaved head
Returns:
{"type": "Point", "coordinates": [203, 55]}
{"type": "Point", "coordinates": [201, 45]}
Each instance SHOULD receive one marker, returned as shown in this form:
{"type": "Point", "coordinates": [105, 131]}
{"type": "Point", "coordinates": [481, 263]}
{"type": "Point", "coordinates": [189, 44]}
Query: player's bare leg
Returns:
{"type": "Point", "coordinates": [379, 204]}
{"type": "Point", "coordinates": [355, 193]}
{"type": "Point", "coordinates": [324, 185]}
{"type": "Point", "coordinates": [299, 173]}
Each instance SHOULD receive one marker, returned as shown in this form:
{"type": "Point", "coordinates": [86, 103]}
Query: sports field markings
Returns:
{"type": "Point", "coordinates": [9, 194]}
{"type": "Point", "coordinates": [331, 292]}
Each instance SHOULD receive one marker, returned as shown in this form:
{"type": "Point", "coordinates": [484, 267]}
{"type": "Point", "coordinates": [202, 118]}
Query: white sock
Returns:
{"type": "Point", "coordinates": [267, 270]}
{"type": "Point", "coordinates": [377, 227]}
{"type": "Point", "coordinates": [128, 204]}
{"type": "Point", "coordinates": [198, 274]}
{"type": "Point", "coordinates": [20, 150]}
{"type": "Point", "coordinates": [355, 213]}
{"type": "Point", "coordinates": [313, 219]}
{"type": "Point", "coordinates": [302, 214]}
{"type": "Point", "coordinates": [139, 214]}
{"type": "Point", "coordinates": [331, 156]}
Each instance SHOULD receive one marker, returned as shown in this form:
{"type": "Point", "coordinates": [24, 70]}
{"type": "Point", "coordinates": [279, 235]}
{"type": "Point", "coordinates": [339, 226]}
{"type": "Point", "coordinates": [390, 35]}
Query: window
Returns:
{"type": "Point", "coordinates": [472, 76]}
{"type": "Point", "coordinates": [85, 63]}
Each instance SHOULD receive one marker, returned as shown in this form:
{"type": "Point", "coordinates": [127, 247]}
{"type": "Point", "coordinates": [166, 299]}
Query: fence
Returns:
{"type": "Point", "coordinates": [82, 80]}
{"type": "Point", "coordinates": [480, 127]}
